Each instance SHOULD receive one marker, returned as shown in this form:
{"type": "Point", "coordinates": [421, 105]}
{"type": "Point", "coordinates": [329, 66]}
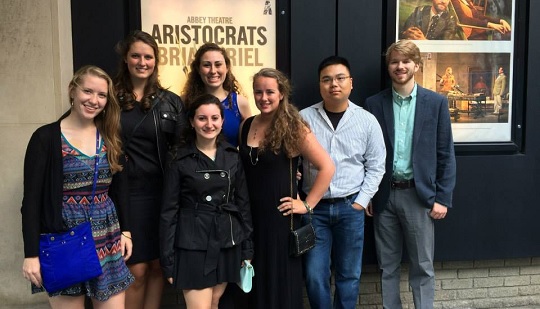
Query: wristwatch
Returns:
{"type": "Point", "coordinates": [309, 209]}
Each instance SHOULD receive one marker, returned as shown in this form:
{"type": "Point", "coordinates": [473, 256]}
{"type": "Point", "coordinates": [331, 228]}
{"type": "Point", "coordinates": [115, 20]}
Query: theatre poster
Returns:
{"type": "Point", "coordinates": [245, 28]}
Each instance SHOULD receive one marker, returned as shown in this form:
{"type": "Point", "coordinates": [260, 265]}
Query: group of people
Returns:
{"type": "Point", "coordinates": [190, 187]}
{"type": "Point", "coordinates": [464, 21]}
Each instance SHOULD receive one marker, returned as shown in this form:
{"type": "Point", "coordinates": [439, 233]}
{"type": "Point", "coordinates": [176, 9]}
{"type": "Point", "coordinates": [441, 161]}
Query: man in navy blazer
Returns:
{"type": "Point", "coordinates": [420, 176]}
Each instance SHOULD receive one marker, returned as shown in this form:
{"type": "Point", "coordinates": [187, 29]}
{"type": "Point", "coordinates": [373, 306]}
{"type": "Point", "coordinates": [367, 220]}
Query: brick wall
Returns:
{"type": "Point", "coordinates": [468, 284]}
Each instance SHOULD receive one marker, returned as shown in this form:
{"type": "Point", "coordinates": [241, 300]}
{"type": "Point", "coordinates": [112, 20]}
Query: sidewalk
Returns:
{"type": "Point", "coordinates": [46, 306]}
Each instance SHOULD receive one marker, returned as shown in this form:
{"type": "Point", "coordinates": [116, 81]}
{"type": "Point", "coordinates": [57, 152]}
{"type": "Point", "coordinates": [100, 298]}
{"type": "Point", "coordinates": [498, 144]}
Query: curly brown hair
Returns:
{"type": "Point", "coordinates": [122, 80]}
{"type": "Point", "coordinates": [108, 121]}
{"type": "Point", "coordinates": [195, 86]}
{"type": "Point", "coordinates": [287, 128]}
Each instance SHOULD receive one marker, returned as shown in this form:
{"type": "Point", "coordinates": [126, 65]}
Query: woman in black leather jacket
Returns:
{"type": "Point", "coordinates": [205, 227]}
{"type": "Point", "coordinates": [152, 120]}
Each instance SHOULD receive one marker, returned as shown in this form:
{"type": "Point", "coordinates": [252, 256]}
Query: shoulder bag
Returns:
{"type": "Point", "coordinates": [302, 239]}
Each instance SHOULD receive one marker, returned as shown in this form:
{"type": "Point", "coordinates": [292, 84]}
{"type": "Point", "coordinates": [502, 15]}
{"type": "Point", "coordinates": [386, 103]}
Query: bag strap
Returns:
{"type": "Point", "coordinates": [291, 176]}
{"type": "Point", "coordinates": [96, 172]}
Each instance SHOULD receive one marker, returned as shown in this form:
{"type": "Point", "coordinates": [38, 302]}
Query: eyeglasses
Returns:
{"type": "Point", "coordinates": [327, 80]}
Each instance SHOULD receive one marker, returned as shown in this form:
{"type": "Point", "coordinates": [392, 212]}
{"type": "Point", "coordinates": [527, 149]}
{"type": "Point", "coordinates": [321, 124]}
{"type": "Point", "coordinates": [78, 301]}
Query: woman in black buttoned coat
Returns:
{"type": "Point", "coordinates": [205, 229]}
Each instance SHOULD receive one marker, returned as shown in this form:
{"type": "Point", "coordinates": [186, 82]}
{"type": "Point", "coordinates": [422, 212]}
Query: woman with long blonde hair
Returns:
{"type": "Point", "coordinates": [59, 168]}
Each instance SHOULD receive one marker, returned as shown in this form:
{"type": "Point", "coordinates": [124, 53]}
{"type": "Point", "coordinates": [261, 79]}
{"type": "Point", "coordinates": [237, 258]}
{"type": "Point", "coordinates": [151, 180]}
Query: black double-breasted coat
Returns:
{"type": "Point", "coordinates": [205, 206]}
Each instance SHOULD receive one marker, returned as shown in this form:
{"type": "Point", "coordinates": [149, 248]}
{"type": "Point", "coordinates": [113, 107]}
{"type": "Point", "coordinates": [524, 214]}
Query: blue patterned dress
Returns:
{"type": "Point", "coordinates": [78, 182]}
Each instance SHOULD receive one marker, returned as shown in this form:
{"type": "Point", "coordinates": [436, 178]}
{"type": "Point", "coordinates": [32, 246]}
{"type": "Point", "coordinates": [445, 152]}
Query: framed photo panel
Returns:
{"type": "Point", "coordinates": [470, 53]}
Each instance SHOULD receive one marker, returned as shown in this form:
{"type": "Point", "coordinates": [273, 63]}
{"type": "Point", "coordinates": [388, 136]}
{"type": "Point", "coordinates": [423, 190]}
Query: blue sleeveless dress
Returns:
{"type": "Point", "coordinates": [233, 118]}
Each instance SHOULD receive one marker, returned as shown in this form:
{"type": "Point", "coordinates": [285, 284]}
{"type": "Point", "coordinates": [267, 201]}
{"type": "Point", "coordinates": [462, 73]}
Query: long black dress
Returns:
{"type": "Point", "coordinates": [145, 184]}
{"type": "Point", "coordinates": [278, 277]}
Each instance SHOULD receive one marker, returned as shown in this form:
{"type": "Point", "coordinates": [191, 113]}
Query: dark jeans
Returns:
{"type": "Point", "coordinates": [339, 230]}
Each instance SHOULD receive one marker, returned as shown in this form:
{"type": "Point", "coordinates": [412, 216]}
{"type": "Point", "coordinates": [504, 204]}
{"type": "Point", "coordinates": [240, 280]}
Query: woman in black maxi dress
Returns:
{"type": "Point", "coordinates": [271, 144]}
{"type": "Point", "coordinates": [268, 181]}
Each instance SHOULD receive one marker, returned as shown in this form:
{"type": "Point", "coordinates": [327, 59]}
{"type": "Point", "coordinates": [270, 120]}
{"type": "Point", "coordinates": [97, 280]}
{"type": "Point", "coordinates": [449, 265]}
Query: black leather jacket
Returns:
{"type": "Point", "coordinates": [169, 120]}
{"type": "Point", "coordinates": [205, 206]}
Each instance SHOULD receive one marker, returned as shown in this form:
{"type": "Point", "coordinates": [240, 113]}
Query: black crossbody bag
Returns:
{"type": "Point", "coordinates": [302, 239]}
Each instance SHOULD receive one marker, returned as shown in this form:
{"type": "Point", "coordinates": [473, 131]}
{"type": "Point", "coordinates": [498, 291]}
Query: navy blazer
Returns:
{"type": "Point", "coordinates": [433, 158]}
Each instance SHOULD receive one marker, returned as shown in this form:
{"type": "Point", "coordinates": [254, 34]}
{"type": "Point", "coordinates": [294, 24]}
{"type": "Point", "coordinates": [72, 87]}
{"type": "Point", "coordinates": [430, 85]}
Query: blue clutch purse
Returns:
{"type": "Point", "coordinates": [246, 274]}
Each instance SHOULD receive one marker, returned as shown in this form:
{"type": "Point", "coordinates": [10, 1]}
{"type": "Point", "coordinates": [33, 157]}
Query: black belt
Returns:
{"type": "Point", "coordinates": [214, 244]}
{"type": "Point", "coordinates": [338, 199]}
{"type": "Point", "coordinates": [402, 184]}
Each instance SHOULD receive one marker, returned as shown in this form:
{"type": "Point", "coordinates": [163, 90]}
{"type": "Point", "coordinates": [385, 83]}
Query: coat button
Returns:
{"type": "Point", "coordinates": [208, 198]}
{"type": "Point", "coordinates": [206, 176]}
{"type": "Point", "coordinates": [222, 174]}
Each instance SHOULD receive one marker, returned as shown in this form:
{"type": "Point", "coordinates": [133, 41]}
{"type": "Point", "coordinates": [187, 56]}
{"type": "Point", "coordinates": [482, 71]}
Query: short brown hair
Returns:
{"type": "Point", "coordinates": [407, 48]}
